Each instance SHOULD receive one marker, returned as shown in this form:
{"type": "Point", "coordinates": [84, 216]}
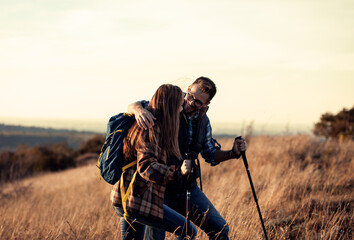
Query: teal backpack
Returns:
{"type": "Point", "coordinates": [110, 161]}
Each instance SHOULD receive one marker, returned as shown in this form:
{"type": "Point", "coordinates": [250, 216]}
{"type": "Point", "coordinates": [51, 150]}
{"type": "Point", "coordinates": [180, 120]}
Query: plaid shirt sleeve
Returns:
{"type": "Point", "coordinates": [144, 103]}
{"type": "Point", "coordinates": [210, 145]}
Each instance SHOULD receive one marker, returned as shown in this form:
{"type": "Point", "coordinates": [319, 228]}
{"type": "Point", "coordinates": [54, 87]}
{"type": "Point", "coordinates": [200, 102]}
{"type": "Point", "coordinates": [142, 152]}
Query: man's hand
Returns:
{"type": "Point", "coordinates": [143, 117]}
{"type": "Point", "coordinates": [186, 167]}
{"type": "Point", "coordinates": [239, 146]}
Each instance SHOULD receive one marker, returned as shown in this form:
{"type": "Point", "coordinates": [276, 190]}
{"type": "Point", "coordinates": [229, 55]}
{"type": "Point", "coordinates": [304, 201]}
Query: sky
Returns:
{"type": "Point", "coordinates": [273, 61]}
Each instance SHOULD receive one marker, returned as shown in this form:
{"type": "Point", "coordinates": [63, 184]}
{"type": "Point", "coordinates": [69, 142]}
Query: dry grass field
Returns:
{"type": "Point", "coordinates": [304, 187]}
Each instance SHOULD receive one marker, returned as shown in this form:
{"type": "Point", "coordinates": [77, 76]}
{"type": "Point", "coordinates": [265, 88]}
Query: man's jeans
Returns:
{"type": "Point", "coordinates": [172, 222]}
{"type": "Point", "coordinates": [203, 214]}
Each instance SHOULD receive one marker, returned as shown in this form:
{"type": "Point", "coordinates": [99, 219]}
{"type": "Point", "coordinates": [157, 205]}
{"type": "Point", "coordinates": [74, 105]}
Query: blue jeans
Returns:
{"type": "Point", "coordinates": [172, 222]}
{"type": "Point", "coordinates": [128, 233]}
{"type": "Point", "coordinates": [203, 214]}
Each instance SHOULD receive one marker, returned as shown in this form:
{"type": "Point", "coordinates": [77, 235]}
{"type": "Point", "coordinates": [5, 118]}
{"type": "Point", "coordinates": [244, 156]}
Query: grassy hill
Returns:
{"type": "Point", "coordinates": [304, 188]}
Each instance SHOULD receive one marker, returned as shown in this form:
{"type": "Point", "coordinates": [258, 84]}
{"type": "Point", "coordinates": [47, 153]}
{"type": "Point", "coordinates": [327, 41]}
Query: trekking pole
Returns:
{"type": "Point", "coordinates": [243, 154]}
{"type": "Point", "coordinates": [188, 206]}
{"type": "Point", "coordinates": [188, 195]}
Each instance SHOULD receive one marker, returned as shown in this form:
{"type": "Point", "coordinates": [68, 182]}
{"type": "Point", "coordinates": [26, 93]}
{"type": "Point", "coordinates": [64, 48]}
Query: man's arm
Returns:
{"type": "Point", "coordinates": [143, 117]}
{"type": "Point", "coordinates": [235, 152]}
{"type": "Point", "coordinates": [212, 152]}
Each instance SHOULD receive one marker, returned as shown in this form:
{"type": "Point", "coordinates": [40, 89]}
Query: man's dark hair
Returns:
{"type": "Point", "coordinates": [206, 85]}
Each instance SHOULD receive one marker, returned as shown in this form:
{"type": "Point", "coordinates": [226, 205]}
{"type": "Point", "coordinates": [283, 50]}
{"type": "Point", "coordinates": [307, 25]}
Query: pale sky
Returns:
{"type": "Point", "coordinates": [273, 61]}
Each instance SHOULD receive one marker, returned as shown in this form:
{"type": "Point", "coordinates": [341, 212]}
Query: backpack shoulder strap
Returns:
{"type": "Point", "coordinates": [125, 194]}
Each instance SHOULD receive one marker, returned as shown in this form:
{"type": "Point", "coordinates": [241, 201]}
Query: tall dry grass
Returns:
{"type": "Point", "coordinates": [304, 188]}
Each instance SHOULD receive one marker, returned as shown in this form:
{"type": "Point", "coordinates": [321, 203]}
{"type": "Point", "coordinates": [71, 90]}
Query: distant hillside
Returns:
{"type": "Point", "coordinates": [18, 128]}
{"type": "Point", "coordinates": [11, 136]}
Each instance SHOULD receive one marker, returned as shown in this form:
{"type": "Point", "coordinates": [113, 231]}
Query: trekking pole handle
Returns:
{"type": "Point", "coordinates": [191, 157]}
{"type": "Point", "coordinates": [243, 154]}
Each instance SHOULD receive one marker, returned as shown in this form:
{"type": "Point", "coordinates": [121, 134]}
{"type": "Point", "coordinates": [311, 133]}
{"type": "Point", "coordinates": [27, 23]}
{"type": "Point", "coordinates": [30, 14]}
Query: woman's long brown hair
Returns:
{"type": "Point", "coordinates": [164, 106]}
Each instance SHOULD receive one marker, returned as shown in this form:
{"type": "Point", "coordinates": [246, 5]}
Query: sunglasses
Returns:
{"type": "Point", "coordinates": [191, 97]}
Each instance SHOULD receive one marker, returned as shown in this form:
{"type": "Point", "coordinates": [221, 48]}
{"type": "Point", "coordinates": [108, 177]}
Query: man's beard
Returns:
{"type": "Point", "coordinates": [188, 108]}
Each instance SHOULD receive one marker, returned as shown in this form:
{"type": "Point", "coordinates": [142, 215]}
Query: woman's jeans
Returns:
{"type": "Point", "coordinates": [203, 214]}
{"type": "Point", "coordinates": [172, 222]}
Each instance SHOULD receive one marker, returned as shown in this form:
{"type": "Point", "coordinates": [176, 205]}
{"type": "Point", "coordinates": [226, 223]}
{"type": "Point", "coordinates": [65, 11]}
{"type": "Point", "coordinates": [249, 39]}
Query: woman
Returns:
{"type": "Point", "coordinates": [152, 148]}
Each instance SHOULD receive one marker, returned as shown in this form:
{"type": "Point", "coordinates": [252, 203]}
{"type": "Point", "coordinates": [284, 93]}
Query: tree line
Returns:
{"type": "Point", "coordinates": [336, 126]}
{"type": "Point", "coordinates": [27, 161]}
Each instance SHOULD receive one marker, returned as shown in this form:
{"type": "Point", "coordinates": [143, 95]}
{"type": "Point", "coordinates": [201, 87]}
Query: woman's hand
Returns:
{"type": "Point", "coordinates": [186, 167]}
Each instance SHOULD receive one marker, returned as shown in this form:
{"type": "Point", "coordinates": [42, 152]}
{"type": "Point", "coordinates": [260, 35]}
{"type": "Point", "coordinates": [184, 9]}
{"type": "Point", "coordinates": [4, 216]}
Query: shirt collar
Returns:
{"type": "Point", "coordinates": [195, 116]}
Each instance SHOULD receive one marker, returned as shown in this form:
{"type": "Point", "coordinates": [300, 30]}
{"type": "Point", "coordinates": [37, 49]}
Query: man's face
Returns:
{"type": "Point", "coordinates": [194, 100]}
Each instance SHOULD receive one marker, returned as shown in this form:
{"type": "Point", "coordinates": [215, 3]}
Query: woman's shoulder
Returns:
{"type": "Point", "coordinates": [150, 136]}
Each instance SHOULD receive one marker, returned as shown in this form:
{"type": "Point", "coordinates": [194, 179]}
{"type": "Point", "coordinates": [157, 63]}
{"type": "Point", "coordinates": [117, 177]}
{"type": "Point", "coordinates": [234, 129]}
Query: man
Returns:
{"type": "Point", "coordinates": [195, 136]}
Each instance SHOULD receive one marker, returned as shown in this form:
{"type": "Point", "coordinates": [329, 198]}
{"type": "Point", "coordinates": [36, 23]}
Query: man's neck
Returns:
{"type": "Point", "coordinates": [191, 114]}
